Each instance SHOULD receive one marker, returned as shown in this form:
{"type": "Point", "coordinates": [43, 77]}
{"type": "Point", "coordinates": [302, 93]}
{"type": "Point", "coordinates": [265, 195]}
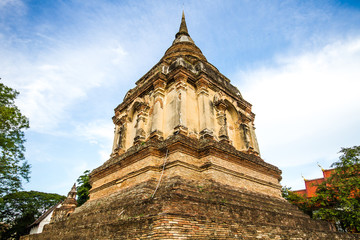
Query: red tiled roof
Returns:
{"type": "Point", "coordinates": [311, 185]}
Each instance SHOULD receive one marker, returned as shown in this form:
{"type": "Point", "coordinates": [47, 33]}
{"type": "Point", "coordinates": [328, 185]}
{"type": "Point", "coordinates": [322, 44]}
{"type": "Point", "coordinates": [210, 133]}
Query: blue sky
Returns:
{"type": "Point", "coordinates": [297, 62]}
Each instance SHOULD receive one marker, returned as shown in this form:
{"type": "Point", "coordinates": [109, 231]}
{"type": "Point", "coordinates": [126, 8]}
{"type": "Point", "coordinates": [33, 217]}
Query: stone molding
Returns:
{"type": "Point", "coordinates": [194, 147]}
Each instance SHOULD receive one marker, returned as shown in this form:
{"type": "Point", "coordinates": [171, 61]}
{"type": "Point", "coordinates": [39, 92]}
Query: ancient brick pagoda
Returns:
{"type": "Point", "coordinates": [185, 112]}
{"type": "Point", "coordinates": [185, 164]}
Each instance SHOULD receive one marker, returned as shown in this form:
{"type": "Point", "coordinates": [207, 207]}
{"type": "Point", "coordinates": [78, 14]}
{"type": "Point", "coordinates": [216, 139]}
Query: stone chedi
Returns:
{"type": "Point", "coordinates": [185, 164]}
{"type": "Point", "coordinates": [67, 206]}
{"type": "Point", "coordinates": [196, 116]}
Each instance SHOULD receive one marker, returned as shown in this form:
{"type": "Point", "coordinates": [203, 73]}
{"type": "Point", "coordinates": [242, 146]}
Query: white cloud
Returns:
{"type": "Point", "coordinates": [309, 105]}
{"type": "Point", "coordinates": [99, 133]}
{"type": "Point", "coordinates": [96, 130]}
{"type": "Point", "coordinates": [51, 84]}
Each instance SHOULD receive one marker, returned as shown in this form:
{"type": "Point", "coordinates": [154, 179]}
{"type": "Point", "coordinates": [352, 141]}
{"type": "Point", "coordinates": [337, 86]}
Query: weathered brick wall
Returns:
{"type": "Point", "coordinates": [192, 159]}
{"type": "Point", "coordinates": [188, 210]}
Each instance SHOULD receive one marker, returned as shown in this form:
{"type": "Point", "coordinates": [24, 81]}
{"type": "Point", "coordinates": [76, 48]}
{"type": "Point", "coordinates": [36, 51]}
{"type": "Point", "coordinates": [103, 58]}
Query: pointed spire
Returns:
{"type": "Point", "coordinates": [183, 45]}
{"type": "Point", "coordinates": [183, 29]}
{"type": "Point", "coordinates": [73, 189]}
{"type": "Point", "coordinates": [72, 193]}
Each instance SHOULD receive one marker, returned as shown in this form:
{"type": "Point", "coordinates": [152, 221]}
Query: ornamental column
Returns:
{"type": "Point", "coordinates": [204, 108]}
{"type": "Point", "coordinates": [247, 131]}
{"type": "Point", "coordinates": [119, 135]}
{"type": "Point", "coordinates": [140, 123]}
{"type": "Point", "coordinates": [221, 118]}
{"type": "Point", "coordinates": [245, 134]}
{"type": "Point", "coordinates": [180, 121]}
{"type": "Point", "coordinates": [157, 112]}
{"type": "Point", "coordinates": [255, 144]}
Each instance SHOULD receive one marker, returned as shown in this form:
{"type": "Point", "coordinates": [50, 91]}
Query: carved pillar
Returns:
{"type": "Point", "coordinates": [255, 144]}
{"type": "Point", "coordinates": [204, 108]}
{"type": "Point", "coordinates": [245, 134]}
{"type": "Point", "coordinates": [115, 139]}
{"type": "Point", "coordinates": [247, 131]}
{"type": "Point", "coordinates": [180, 85]}
{"type": "Point", "coordinates": [119, 135]}
{"type": "Point", "coordinates": [157, 113]}
{"type": "Point", "coordinates": [140, 123]}
{"type": "Point", "coordinates": [221, 117]}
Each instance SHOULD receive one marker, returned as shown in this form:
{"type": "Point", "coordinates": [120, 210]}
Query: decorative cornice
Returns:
{"type": "Point", "coordinates": [193, 147]}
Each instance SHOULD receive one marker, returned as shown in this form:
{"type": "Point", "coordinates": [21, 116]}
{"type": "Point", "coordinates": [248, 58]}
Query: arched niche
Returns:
{"type": "Point", "coordinates": [136, 121]}
{"type": "Point", "coordinates": [133, 107]}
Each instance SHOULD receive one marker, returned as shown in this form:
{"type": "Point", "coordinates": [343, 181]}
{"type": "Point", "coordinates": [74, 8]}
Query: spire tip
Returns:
{"type": "Point", "coordinates": [183, 29]}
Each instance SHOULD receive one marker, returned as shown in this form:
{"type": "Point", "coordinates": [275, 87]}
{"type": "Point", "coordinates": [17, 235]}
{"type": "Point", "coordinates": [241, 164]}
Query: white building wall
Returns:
{"type": "Point", "coordinates": [39, 227]}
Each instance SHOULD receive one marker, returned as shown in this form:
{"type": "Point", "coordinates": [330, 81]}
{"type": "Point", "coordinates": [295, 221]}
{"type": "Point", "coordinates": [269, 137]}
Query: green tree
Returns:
{"type": "Point", "coordinates": [20, 209]}
{"type": "Point", "coordinates": [338, 198]}
{"type": "Point", "coordinates": [13, 167]}
{"type": "Point", "coordinates": [83, 188]}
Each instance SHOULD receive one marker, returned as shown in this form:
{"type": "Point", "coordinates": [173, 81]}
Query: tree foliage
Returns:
{"type": "Point", "coordinates": [83, 188]}
{"type": "Point", "coordinates": [338, 198]}
{"type": "Point", "coordinates": [13, 167]}
{"type": "Point", "coordinates": [18, 210]}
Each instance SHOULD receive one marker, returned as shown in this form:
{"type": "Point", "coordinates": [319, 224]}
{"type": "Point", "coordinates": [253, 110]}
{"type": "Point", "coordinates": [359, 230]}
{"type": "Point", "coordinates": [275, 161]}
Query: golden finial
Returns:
{"type": "Point", "coordinates": [303, 177]}
{"type": "Point", "coordinates": [320, 166]}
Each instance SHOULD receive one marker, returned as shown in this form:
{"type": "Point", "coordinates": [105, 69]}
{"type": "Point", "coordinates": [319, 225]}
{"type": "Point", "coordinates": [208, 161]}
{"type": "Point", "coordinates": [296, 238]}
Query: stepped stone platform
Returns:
{"type": "Point", "coordinates": [182, 209]}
